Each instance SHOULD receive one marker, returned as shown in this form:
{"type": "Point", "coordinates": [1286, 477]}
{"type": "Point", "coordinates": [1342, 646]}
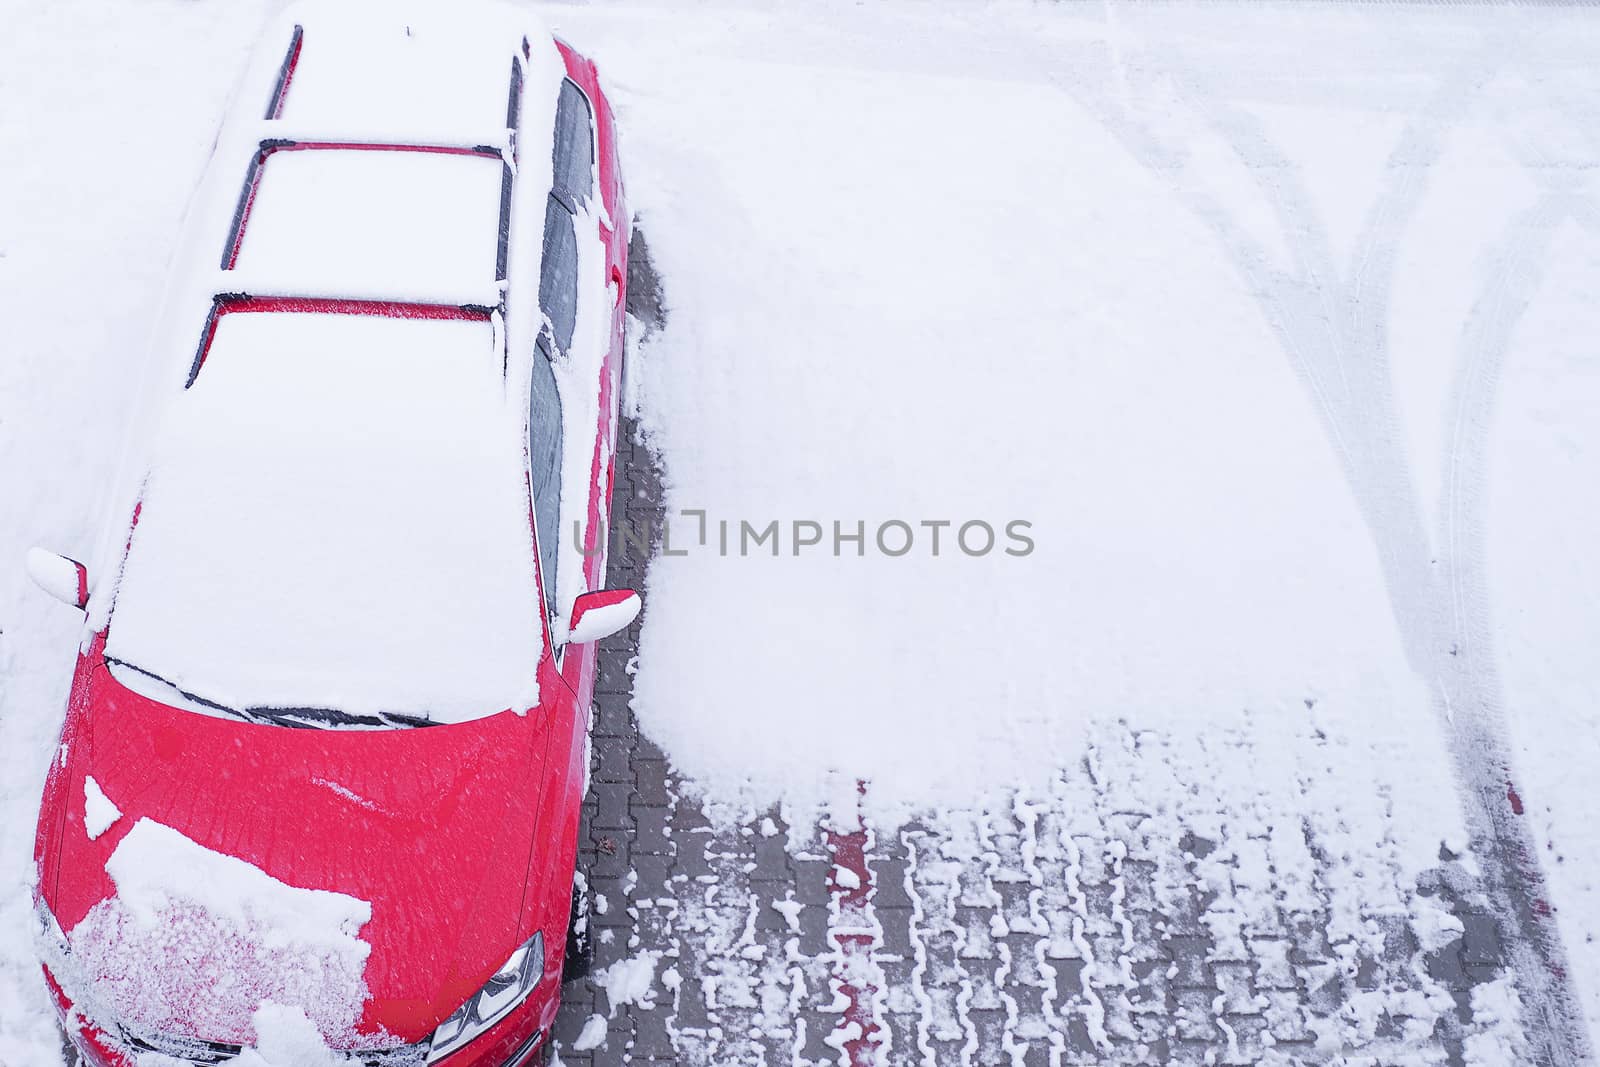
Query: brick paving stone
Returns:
{"type": "Point", "coordinates": [651, 834]}
{"type": "Point", "coordinates": [650, 783]}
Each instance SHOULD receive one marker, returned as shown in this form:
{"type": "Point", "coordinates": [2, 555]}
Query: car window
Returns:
{"type": "Point", "coordinates": [573, 152]}
{"type": "Point", "coordinates": [572, 156]}
{"type": "Point", "coordinates": [558, 277]}
{"type": "Point", "coordinates": [544, 461]}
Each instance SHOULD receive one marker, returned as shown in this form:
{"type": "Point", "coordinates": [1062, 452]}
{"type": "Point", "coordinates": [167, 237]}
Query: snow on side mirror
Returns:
{"type": "Point", "coordinates": [597, 615]}
{"type": "Point", "coordinates": [65, 579]}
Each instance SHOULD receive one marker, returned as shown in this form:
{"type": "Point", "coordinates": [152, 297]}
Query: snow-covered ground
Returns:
{"type": "Point", "coordinates": [1273, 323]}
{"type": "Point", "coordinates": [1269, 320]}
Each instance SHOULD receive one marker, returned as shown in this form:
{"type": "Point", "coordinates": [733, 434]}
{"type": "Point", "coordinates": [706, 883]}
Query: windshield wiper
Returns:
{"type": "Point", "coordinates": [321, 718]}
{"type": "Point", "coordinates": [294, 718]}
{"type": "Point", "coordinates": [193, 698]}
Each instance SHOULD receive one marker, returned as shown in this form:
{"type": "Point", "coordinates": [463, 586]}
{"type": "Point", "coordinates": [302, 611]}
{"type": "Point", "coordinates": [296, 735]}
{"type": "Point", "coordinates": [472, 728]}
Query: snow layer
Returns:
{"type": "Point", "coordinates": [98, 811]}
{"type": "Point", "coordinates": [360, 66]}
{"type": "Point", "coordinates": [336, 517]}
{"type": "Point", "coordinates": [1033, 329]}
{"type": "Point", "coordinates": [935, 255]}
{"type": "Point", "coordinates": [400, 222]}
{"type": "Point", "coordinates": [1270, 319]}
{"type": "Point", "coordinates": [1534, 538]}
{"type": "Point", "coordinates": [287, 1039]}
{"type": "Point", "coordinates": [177, 899]}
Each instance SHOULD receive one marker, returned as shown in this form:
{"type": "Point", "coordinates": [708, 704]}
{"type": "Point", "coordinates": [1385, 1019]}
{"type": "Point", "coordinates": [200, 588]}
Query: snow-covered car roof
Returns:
{"type": "Point", "coordinates": [336, 517]}
{"type": "Point", "coordinates": [383, 162]}
{"type": "Point", "coordinates": [396, 223]}
{"type": "Point", "coordinates": [366, 66]}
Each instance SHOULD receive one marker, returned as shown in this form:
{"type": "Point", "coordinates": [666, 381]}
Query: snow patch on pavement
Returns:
{"type": "Point", "coordinates": [1498, 1005]}
{"type": "Point", "coordinates": [592, 1036]}
{"type": "Point", "coordinates": [631, 981]}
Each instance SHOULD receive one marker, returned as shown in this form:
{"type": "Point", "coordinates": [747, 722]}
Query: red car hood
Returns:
{"type": "Point", "coordinates": [432, 827]}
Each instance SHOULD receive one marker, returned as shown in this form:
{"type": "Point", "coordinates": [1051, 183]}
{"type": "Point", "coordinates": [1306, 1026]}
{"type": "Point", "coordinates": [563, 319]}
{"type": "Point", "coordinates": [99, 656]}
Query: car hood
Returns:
{"type": "Point", "coordinates": [374, 878]}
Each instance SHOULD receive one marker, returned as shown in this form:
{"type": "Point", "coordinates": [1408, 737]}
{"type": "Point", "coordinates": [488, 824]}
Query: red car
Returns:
{"type": "Point", "coordinates": [321, 769]}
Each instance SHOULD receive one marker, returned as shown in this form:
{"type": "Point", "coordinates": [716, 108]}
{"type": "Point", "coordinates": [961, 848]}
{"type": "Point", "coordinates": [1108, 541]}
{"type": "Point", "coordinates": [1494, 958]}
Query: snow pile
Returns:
{"type": "Point", "coordinates": [194, 942]}
{"type": "Point", "coordinates": [1496, 1002]}
{"type": "Point", "coordinates": [285, 1037]}
{"type": "Point", "coordinates": [336, 517]}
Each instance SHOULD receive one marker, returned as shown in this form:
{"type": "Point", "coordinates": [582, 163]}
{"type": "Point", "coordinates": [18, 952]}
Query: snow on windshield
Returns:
{"type": "Point", "coordinates": [336, 517]}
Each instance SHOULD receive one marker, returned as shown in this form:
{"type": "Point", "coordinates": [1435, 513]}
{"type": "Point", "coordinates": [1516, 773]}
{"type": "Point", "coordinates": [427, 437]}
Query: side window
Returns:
{"type": "Point", "coordinates": [572, 156]}
{"type": "Point", "coordinates": [544, 461]}
{"type": "Point", "coordinates": [558, 278]}
{"type": "Point", "coordinates": [573, 153]}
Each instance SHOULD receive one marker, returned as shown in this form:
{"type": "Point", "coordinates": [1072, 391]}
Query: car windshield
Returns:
{"type": "Point", "coordinates": [335, 529]}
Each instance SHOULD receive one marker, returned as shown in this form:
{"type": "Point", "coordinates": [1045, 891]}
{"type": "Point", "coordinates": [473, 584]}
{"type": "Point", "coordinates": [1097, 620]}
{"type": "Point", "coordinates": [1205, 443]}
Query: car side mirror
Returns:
{"type": "Point", "coordinates": [65, 579]}
{"type": "Point", "coordinates": [597, 615]}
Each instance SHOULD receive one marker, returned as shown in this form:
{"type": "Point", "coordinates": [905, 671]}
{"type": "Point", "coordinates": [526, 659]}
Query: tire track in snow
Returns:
{"type": "Point", "coordinates": [1467, 677]}
{"type": "Point", "coordinates": [1332, 327]}
{"type": "Point", "coordinates": [1472, 693]}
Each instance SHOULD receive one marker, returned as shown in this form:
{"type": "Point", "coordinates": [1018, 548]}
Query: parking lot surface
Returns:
{"type": "Point", "coordinates": [1084, 925]}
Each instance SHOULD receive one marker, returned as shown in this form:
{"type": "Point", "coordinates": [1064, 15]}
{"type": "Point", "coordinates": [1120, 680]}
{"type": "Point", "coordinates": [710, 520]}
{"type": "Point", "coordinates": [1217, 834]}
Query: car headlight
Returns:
{"type": "Point", "coordinates": [52, 944]}
{"type": "Point", "coordinates": [505, 989]}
